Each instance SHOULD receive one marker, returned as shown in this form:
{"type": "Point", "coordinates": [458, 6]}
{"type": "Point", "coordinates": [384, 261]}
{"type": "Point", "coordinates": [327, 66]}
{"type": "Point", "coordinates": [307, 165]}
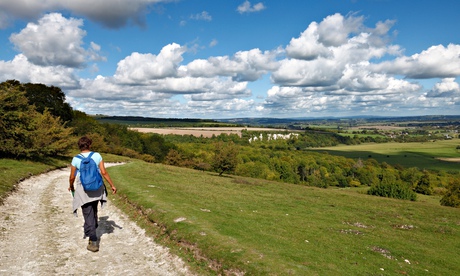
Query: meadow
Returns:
{"type": "Point", "coordinates": [436, 155]}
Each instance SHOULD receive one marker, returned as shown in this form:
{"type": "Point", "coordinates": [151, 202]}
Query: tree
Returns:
{"type": "Point", "coordinates": [24, 132]}
{"type": "Point", "coordinates": [14, 119]}
{"type": "Point", "coordinates": [423, 185]}
{"type": "Point", "coordinates": [45, 97]}
{"type": "Point", "coordinates": [452, 196]}
{"type": "Point", "coordinates": [49, 137]}
{"type": "Point", "coordinates": [225, 157]}
{"type": "Point", "coordinates": [155, 145]}
{"type": "Point", "coordinates": [83, 124]}
{"type": "Point", "coordinates": [285, 169]}
{"type": "Point", "coordinates": [48, 97]}
{"type": "Point", "coordinates": [412, 175]}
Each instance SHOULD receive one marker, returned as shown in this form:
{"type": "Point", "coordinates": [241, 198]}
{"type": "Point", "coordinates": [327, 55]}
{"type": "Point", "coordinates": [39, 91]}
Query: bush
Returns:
{"type": "Point", "coordinates": [395, 190]}
{"type": "Point", "coordinates": [424, 186]}
{"type": "Point", "coordinates": [225, 157]}
{"type": "Point", "coordinates": [452, 196]}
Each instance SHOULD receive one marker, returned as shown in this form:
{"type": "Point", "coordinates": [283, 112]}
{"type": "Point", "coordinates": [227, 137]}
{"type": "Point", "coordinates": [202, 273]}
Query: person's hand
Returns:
{"type": "Point", "coordinates": [71, 188]}
{"type": "Point", "coordinates": [114, 190]}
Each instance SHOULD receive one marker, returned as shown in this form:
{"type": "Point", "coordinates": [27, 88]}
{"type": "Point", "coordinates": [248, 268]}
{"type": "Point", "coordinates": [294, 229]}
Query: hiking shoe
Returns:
{"type": "Point", "coordinates": [93, 246]}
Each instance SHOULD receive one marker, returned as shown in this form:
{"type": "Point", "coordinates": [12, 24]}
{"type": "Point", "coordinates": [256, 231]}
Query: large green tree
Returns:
{"type": "Point", "coordinates": [452, 195]}
{"type": "Point", "coordinates": [225, 157]}
{"type": "Point", "coordinates": [44, 97]}
{"type": "Point", "coordinates": [25, 132]}
{"type": "Point", "coordinates": [49, 97]}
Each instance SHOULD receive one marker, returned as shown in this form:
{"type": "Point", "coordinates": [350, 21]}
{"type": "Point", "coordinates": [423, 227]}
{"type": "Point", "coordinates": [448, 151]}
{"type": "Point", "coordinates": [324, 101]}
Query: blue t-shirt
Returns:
{"type": "Point", "coordinates": [96, 157]}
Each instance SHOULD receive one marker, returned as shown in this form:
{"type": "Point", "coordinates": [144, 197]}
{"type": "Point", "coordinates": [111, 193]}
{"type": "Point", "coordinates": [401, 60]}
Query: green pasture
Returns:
{"type": "Point", "coordinates": [269, 228]}
{"type": "Point", "coordinates": [349, 134]}
{"type": "Point", "coordinates": [422, 155]}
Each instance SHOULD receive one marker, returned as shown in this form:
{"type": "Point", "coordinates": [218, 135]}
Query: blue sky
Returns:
{"type": "Point", "coordinates": [236, 58]}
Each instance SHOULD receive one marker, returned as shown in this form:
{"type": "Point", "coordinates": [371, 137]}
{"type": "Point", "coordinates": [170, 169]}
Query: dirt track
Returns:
{"type": "Point", "coordinates": [40, 236]}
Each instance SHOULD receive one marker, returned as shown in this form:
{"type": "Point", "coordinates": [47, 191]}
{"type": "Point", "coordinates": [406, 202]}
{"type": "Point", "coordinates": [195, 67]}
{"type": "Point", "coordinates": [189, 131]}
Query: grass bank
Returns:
{"type": "Point", "coordinates": [268, 228]}
{"type": "Point", "coordinates": [14, 171]}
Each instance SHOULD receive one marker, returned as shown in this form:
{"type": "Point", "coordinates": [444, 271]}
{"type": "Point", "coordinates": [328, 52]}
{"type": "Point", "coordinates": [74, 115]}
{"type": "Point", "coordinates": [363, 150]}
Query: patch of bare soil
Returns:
{"type": "Point", "coordinates": [455, 160]}
{"type": "Point", "coordinates": [206, 132]}
{"type": "Point", "coordinates": [39, 235]}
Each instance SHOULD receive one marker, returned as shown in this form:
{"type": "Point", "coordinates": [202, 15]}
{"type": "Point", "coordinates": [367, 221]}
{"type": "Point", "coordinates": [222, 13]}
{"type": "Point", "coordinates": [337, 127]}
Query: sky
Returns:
{"type": "Point", "coordinates": [216, 59]}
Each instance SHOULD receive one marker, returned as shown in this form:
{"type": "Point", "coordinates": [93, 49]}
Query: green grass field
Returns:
{"type": "Point", "coordinates": [270, 228]}
{"type": "Point", "coordinates": [421, 155]}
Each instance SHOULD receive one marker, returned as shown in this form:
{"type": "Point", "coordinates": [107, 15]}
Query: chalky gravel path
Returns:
{"type": "Point", "coordinates": [39, 235]}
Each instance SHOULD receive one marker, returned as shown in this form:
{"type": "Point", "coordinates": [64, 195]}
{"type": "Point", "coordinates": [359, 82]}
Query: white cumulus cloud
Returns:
{"type": "Point", "coordinates": [243, 66]}
{"type": "Point", "coordinates": [204, 15]}
{"type": "Point", "coordinates": [446, 88]}
{"type": "Point", "coordinates": [247, 7]}
{"type": "Point", "coordinates": [142, 68]}
{"type": "Point", "coordinates": [54, 41]}
{"type": "Point", "coordinates": [21, 69]}
{"type": "Point", "coordinates": [435, 62]}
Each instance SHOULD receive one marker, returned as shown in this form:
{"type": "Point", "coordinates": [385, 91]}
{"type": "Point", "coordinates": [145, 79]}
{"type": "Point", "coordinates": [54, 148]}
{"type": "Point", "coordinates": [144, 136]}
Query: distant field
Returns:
{"type": "Point", "coordinates": [206, 132]}
{"type": "Point", "coordinates": [439, 155]}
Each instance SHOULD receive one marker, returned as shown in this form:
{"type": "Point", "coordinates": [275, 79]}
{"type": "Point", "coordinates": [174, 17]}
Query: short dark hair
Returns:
{"type": "Point", "coordinates": [84, 143]}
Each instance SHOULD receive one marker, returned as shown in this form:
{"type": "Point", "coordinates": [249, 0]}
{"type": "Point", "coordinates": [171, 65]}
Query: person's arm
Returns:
{"type": "Point", "coordinates": [72, 178]}
{"type": "Point", "coordinates": [106, 175]}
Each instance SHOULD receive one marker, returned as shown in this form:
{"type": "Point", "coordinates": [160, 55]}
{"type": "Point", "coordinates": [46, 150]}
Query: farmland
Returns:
{"type": "Point", "coordinates": [438, 155]}
{"type": "Point", "coordinates": [206, 132]}
{"type": "Point", "coordinates": [433, 152]}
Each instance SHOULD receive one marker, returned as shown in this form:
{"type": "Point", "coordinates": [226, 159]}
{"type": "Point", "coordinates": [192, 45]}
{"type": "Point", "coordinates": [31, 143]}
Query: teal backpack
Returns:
{"type": "Point", "coordinates": [90, 177]}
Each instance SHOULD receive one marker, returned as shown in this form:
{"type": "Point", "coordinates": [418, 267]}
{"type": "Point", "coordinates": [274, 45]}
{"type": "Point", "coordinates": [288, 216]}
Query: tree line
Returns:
{"type": "Point", "coordinates": [36, 122]}
{"type": "Point", "coordinates": [278, 162]}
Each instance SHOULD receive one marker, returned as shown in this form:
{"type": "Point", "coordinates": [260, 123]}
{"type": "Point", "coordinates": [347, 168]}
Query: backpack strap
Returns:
{"type": "Point", "coordinates": [81, 156]}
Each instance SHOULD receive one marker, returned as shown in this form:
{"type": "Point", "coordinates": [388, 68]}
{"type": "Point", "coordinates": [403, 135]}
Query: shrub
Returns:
{"type": "Point", "coordinates": [395, 190]}
{"type": "Point", "coordinates": [225, 157]}
{"type": "Point", "coordinates": [452, 195]}
{"type": "Point", "coordinates": [424, 186]}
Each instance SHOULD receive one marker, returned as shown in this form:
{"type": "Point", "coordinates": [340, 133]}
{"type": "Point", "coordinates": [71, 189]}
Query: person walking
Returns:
{"type": "Point", "coordinates": [88, 199]}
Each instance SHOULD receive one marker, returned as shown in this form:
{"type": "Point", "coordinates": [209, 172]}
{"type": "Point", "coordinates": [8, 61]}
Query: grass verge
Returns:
{"type": "Point", "coordinates": [225, 225]}
{"type": "Point", "coordinates": [14, 171]}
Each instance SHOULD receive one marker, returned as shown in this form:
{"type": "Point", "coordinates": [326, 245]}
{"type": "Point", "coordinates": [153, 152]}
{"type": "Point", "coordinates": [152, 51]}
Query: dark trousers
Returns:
{"type": "Point", "coordinates": [89, 211]}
